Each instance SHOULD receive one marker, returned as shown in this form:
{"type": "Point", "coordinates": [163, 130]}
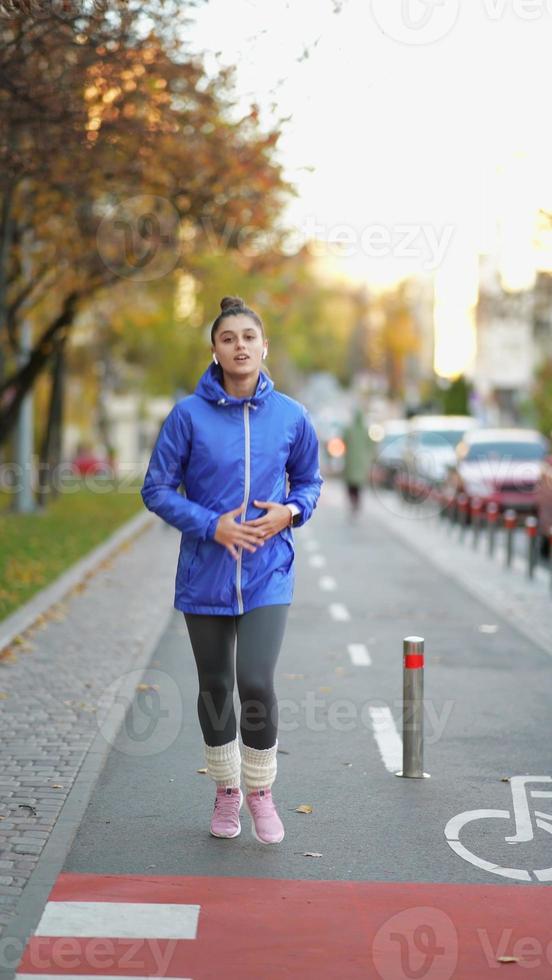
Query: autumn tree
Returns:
{"type": "Point", "coordinates": [112, 141]}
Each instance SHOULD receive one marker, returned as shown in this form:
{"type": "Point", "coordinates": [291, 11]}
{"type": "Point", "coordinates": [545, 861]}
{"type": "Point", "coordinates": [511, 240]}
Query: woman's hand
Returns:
{"type": "Point", "coordinates": [233, 535]}
{"type": "Point", "coordinates": [278, 517]}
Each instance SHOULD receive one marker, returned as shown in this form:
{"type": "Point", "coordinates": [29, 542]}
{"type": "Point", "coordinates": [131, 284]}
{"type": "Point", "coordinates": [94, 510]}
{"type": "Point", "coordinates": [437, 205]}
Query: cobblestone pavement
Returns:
{"type": "Point", "coordinates": [57, 683]}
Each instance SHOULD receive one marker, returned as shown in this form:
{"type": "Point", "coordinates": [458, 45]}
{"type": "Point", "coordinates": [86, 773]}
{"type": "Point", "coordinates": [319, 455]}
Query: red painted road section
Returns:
{"type": "Point", "coordinates": [273, 929]}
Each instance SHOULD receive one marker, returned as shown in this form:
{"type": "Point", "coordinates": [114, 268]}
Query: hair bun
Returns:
{"type": "Point", "coordinates": [231, 301]}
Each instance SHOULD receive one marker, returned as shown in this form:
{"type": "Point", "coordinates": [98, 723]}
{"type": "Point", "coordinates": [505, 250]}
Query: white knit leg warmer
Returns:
{"type": "Point", "coordinates": [259, 767]}
{"type": "Point", "coordinates": [224, 763]}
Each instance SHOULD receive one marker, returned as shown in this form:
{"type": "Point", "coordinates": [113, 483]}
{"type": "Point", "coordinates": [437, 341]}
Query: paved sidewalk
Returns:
{"type": "Point", "coordinates": [57, 688]}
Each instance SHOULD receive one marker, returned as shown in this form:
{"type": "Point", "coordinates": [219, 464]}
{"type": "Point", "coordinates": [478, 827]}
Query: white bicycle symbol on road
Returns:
{"type": "Point", "coordinates": [524, 827]}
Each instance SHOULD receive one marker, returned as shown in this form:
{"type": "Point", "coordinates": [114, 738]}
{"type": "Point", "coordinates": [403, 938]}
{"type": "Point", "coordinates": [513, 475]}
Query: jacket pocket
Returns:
{"type": "Point", "coordinates": [193, 562]}
{"type": "Point", "coordinates": [286, 551]}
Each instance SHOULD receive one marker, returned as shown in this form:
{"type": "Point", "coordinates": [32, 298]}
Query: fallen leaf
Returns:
{"type": "Point", "coordinates": [508, 959]}
{"type": "Point", "coordinates": [282, 751]}
{"type": "Point", "coordinates": [347, 763]}
{"type": "Point", "coordinates": [147, 687]}
{"type": "Point", "coordinates": [56, 786]}
{"type": "Point", "coordinates": [201, 771]}
{"type": "Point", "coordinates": [504, 779]}
{"type": "Point", "coordinates": [304, 808]}
{"type": "Point", "coordinates": [312, 854]}
{"type": "Point", "coordinates": [7, 655]}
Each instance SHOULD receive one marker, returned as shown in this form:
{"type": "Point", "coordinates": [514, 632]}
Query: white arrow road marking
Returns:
{"type": "Point", "coordinates": [317, 561]}
{"type": "Point", "coordinates": [120, 920]}
{"type": "Point", "coordinates": [339, 612]}
{"type": "Point", "coordinates": [327, 583]}
{"type": "Point", "coordinates": [388, 739]}
{"type": "Point", "coordinates": [359, 655]}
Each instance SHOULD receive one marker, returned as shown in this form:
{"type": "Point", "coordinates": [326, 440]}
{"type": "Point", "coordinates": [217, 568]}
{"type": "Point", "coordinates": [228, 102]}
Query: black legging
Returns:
{"type": "Point", "coordinates": [259, 634]}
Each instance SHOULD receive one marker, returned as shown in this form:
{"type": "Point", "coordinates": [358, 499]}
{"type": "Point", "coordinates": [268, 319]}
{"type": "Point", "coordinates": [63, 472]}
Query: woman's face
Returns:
{"type": "Point", "coordinates": [239, 346]}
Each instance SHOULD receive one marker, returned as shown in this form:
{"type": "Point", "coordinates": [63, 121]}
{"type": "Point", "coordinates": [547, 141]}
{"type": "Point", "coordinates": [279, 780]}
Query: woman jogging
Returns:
{"type": "Point", "coordinates": [230, 444]}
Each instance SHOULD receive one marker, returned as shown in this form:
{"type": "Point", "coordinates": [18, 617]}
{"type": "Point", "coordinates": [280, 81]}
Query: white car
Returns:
{"type": "Point", "coordinates": [431, 449]}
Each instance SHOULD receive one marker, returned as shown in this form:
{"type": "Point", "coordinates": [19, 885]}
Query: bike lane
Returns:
{"type": "Point", "coordinates": [146, 892]}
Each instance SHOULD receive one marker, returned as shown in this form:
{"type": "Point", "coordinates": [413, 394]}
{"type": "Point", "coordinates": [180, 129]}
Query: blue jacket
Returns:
{"type": "Point", "coordinates": [226, 451]}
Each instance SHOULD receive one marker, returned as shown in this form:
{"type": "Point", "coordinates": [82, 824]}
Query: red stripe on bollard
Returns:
{"type": "Point", "coordinates": [413, 660]}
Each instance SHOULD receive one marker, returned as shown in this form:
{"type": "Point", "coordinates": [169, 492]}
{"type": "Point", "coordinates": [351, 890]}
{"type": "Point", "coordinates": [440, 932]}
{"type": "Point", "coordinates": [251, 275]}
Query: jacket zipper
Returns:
{"type": "Point", "coordinates": [246, 500]}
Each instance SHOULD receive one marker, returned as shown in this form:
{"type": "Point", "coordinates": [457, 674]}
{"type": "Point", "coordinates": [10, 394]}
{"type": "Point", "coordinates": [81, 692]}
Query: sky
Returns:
{"type": "Point", "coordinates": [418, 133]}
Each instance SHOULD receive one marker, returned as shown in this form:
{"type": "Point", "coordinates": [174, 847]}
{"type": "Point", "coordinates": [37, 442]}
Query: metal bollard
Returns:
{"type": "Point", "coordinates": [510, 524]}
{"type": "Point", "coordinates": [531, 524]}
{"type": "Point", "coordinates": [451, 512]}
{"type": "Point", "coordinates": [476, 508]}
{"type": "Point", "coordinates": [413, 700]}
{"type": "Point", "coordinates": [463, 504]}
{"type": "Point", "coordinates": [550, 554]}
{"type": "Point", "coordinates": [492, 517]}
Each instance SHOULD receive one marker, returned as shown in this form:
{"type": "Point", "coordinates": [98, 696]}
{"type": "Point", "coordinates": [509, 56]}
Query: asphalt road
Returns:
{"type": "Point", "coordinates": [487, 719]}
{"type": "Point", "coordinates": [440, 878]}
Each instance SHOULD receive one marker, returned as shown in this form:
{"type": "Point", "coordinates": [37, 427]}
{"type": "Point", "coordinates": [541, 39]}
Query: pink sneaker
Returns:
{"type": "Point", "coordinates": [266, 825]}
{"type": "Point", "coordinates": [225, 821]}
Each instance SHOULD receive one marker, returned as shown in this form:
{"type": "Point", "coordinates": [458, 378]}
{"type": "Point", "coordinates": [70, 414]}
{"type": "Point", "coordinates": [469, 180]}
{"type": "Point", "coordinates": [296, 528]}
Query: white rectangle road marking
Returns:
{"type": "Point", "coordinates": [359, 655]}
{"type": "Point", "coordinates": [388, 739]}
{"type": "Point", "coordinates": [339, 612]}
{"type": "Point", "coordinates": [119, 920]}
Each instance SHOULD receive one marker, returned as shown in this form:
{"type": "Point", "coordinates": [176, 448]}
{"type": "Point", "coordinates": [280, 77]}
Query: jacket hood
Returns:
{"type": "Point", "coordinates": [210, 388]}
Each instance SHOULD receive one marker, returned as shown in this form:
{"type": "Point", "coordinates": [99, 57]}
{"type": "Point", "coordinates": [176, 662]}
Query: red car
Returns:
{"type": "Point", "coordinates": [500, 465]}
{"type": "Point", "coordinates": [86, 462]}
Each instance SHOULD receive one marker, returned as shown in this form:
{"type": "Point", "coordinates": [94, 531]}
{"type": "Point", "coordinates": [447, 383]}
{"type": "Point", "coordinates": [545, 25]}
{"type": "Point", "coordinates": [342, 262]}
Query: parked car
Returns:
{"type": "Point", "coordinates": [388, 455]}
{"type": "Point", "coordinates": [544, 504]}
{"type": "Point", "coordinates": [502, 466]}
{"type": "Point", "coordinates": [430, 451]}
{"type": "Point", "coordinates": [87, 462]}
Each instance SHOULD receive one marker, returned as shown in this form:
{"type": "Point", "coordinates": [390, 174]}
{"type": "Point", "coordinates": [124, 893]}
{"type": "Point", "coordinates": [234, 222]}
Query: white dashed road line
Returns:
{"type": "Point", "coordinates": [317, 561]}
{"type": "Point", "coordinates": [387, 737]}
{"type": "Point", "coordinates": [339, 612]}
{"type": "Point", "coordinates": [327, 583]}
{"type": "Point", "coordinates": [359, 655]}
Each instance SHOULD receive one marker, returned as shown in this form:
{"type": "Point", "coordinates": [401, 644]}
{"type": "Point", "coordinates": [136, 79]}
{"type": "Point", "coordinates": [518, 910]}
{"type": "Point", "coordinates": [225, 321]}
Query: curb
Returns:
{"type": "Point", "coordinates": [25, 616]}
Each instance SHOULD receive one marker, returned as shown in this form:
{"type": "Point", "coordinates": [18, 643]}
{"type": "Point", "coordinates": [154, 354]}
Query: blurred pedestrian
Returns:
{"type": "Point", "coordinates": [357, 460]}
{"type": "Point", "coordinates": [231, 444]}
